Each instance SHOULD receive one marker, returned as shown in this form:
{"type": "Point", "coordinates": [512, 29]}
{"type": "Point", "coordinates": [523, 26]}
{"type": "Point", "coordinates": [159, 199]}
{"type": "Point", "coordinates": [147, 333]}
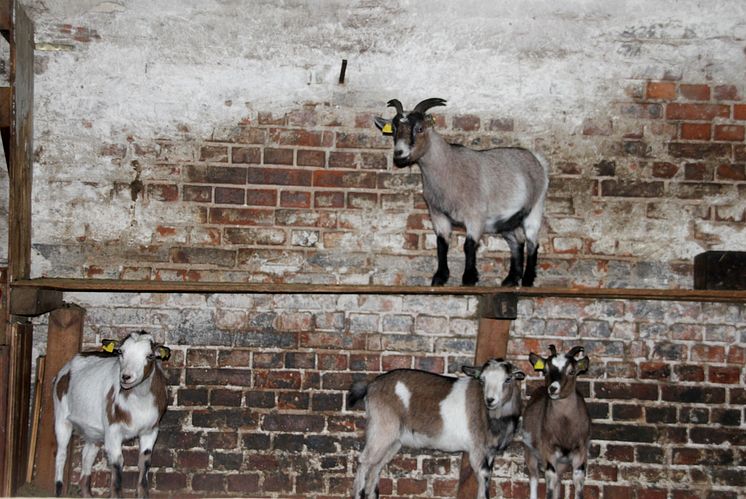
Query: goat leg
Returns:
{"type": "Point", "coordinates": [471, 276]}
{"type": "Point", "coordinates": [442, 273]}
{"type": "Point", "coordinates": [533, 255]}
{"type": "Point", "coordinates": [516, 260]}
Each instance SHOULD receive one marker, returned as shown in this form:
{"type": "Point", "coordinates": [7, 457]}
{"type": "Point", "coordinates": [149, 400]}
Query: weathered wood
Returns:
{"type": "Point", "coordinates": [19, 388]}
{"type": "Point", "coordinates": [492, 342]}
{"type": "Point", "coordinates": [4, 391]}
{"type": "Point", "coordinates": [5, 17]}
{"type": "Point", "coordinates": [64, 339]}
{"type": "Point", "coordinates": [35, 417]}
{"type": "Point", "coordinates": [498, 306]}
{"type": "Point", "coordinates": [115, 285]}
{"type": "Point", "coordinates": [6, 108]}
{"type": "Point", "coordinates": [21, 145]}
{"type": "Point", "coordinates": [30, 302]}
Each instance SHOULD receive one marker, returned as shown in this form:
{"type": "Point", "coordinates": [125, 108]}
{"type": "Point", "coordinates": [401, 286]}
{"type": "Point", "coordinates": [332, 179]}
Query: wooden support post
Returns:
{"type": "Point", "coordinates": [496, 314]}
{"type": "Point", "coordinates": [19, 397]}
{"type": "Point", "coordinates": [64, 339]}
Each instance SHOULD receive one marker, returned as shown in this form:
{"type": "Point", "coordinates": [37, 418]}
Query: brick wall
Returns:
{"type": "Point", "coordinates": [310, 195]}
{"type": "Point", "coordinates": [258, 385]}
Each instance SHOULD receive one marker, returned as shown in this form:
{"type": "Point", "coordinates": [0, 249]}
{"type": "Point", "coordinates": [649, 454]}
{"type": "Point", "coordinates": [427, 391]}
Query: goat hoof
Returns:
{"type": "Point", "coordinates": [470, 278]}
{"type": "Point", "coordinates": [510, 282]}
{"type": "Point", "coordinates": [439, 280]}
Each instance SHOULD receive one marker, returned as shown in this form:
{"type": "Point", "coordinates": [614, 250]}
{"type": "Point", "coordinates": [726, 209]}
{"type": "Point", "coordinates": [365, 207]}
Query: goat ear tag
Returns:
{"type": "Point", "coordinates": [539, 365]}
{"type": "Point", "coordinates": [108, 345]}
{"type": "Point", "coordinates": [387, 129]}
{"type": "Point", "coordinates": [164, 353]}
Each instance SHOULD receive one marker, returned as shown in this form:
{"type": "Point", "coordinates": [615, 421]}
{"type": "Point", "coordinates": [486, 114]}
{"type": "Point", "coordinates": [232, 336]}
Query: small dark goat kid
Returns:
{"type": "Point", "coordinates": [477, 414]}
{"type": "Point", "coordinates": [111, 397]}
{"type": "Point", "coordinates": [498, 191]}
{"type": "Point", "coordinates": [556, 423]}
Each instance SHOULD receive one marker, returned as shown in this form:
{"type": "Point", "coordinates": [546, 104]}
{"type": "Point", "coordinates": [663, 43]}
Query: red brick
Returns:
{"type": "Point", "coordinates": [695, 131]}
{"type": "Point", "coordinates": [726, 92]}
{"type": "Point", "coordinates": [279, 176]}
{"type": "Point", "coordinates": [699, 151]}
{"type": "Point", "coordinates": [331, 178]}
{"type": "Point", "coordinates": [163, 192]}
{"type": "Point", "coordinates": [226, 195]}
{"type": "Point", "coordinates": [700, 112]}
{"type": "Point", "coordinates": [466, 122]}
{"type": "Point", "coordinates": [268, 119]}
{"type": "Point", "coordinates": [207, 174]}
{"type": "Point", "coordinates": [686, 372]}
{"type": "Point", "coordinates": [661, 90]}
{"type": "Point", "coordinates": [295, 199]}
{"type": "Point", "coordinates": [241, 216]}
{"type": "Point", "coordinates": [724, 375]}
{"type": "Point", "coordinates": [626, 188]}
{"type": "Point", "coordinates": [655, 370]}
{"type": "Point", "coordinates": [732, 133]}
{"type": "Point", "coordinates": [193, 459]}
{"type": "Point", "coordinates": [215, 154]}
{"type": "Point", "coordinates": [246, 155]}
{"type": "Point", "coordinates": [739, 111]}
{"type": "Point", "coordinates": [261, 197]}
{"type": "Point", "coordinates": [390, 362]}
{"type": "Point", "coordinates": [342, 159]}
{"type": "Point", "coordinates": [304, 138]}
{"type": "Point", "coordinates": [329, 199]}
{"type": "Point", "coordinates": [362, 200]}
{"type": "Point", "coordinates": [731, 172]}
{"type": "Point", "coordinates": [197, 193]}
{"type": "Point", "coordinates": [664, 170]}
{"type": "Point", "coordinates": [278, 156]}
{"type": "Point", "coordinates": [411, 486]}
{"type": "Point", "coordinates": [694, 92]}
{"type": "Point", "coordinates": [311, 158]}
{"type": "Point", "coordinates": [359, 140]}
{"type": "Point", "coordinates": [708, 353]}
{"type": "Point", "coordinates": [698, 171]}
{"type": "Point", "coordinates": [739, 153]}
{"type": "Point", "coordinates": [374, 161]}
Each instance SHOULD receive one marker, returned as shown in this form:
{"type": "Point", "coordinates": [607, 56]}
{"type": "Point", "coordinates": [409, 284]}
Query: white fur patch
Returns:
{"type": "Point", "coordinates": [559, 361]}
{"type": "Point", "coordinates": [403, 393]}
{"type": "Point", "coordinates": [402, 149]}
{"type": "Point", "coordinates": [455, 420]}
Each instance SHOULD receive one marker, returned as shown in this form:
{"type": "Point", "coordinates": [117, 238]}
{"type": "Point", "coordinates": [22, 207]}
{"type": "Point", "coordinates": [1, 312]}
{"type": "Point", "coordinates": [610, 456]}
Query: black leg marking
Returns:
{"type": "Point", "coordinates": [58, 489]}
{"type": "Point", "coordinates": [471, 276]}
{"type": "Point", "coordinates": [117, 470]}
{"type": "Point", "coordinates": [442, 273]}
{"type": "Point", "coordinates": [516, 260]}
{"type": "Point", "coordinates": [533, 256]}
{"type": "Point", "coordinates": [550, 467]}
{"type": "Point", "coordinates": [145, 470]}
{"type": "Point", "coordinates": [362, 494]}
{"type": "Point", "coordinates": [378, 494]}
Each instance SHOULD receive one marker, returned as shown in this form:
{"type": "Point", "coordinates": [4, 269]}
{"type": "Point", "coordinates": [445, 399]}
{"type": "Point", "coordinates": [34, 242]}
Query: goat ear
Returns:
{"type": "Point", "coordinates": [536, 361]}
{"type": "Point", "coordinates": [582, 365]}
{"type": "Point", "coordinates": [471, 371]}
{"type": "Point", "coordinates": [384, 125]}
{"type": "Point", "coordinates": [164, 353]}
{"type": "Point", "coordinates": [109, 345]}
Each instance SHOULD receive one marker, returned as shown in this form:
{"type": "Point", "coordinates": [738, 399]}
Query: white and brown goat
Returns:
{"type": "Point", "coordinates": [110, 397]}
{"type": "Point", "coordinates": [556, 423]}
{"type": "Point", "coordinates": [494, 191]}
{"type": "Point", "coordinates": [477, 414]}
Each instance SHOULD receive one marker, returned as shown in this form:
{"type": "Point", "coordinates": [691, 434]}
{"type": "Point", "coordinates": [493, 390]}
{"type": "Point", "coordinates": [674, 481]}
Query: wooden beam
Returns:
{"type": "Point", "coordinates": [129, 286]}
{"type": "Point", "coordinates": [19, 392]}
{"type": "Point", "coordinates": [64, 339]}
{"type": "Point", "coordinates": [5, 16]}
{"type": "Point", "coordinates": [492, 342]}
{"type": "Point", "coordinates": [30, 302]}
{"type": "Point", "coordinates": [6, 109]}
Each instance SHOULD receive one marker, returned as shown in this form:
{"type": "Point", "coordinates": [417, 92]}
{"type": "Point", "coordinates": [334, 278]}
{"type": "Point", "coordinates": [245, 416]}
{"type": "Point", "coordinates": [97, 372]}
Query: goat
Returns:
{"type": "Point", "coordinates": [110, 397]}
{"type": "Point", "coordinates": [556, 423]}
{"type": "Point", "coordinates": [498, 191]}
{"type": "Point", "coordinates": [477, 414]}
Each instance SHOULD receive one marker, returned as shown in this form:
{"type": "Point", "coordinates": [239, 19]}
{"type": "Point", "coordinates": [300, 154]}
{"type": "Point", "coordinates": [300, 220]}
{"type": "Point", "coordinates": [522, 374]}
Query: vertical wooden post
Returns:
{"type": "Point", "coordinates": [64, 339]}
{"type": "Point", "coordinates": [496, 314]}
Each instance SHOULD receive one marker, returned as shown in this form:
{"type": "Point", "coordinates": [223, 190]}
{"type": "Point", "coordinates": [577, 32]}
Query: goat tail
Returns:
{"type": "Point", "coordinates": [357, 393]}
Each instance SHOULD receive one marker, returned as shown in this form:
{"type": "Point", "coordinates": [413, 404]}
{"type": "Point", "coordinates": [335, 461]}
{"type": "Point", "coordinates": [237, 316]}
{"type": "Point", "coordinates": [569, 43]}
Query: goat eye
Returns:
{"type": "Point", "coordinates": [151, 357]}
{"type": "Point", "coordinates": [418, 129]}
{"type": "Point", "coordinates": [508, 381]}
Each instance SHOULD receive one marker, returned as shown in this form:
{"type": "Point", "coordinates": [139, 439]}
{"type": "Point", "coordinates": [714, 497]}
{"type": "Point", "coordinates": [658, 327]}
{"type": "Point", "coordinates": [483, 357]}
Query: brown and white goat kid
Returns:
{"type": "Point", "coordinates": [110, 397]}
{"type": "Point", "coordinates": [477, 414]}
{"type": "Point", "coordinates": [556, 423]}
{"type": "Point", "coordinates": [497, 191]}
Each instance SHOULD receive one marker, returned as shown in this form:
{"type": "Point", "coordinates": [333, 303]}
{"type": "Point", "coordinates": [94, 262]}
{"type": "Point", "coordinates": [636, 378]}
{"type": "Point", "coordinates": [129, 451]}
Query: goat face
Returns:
{"type": "Point", "coordinates": [496, 377]}
{"type": "Point", "coordinates": [137, 355]}
{"type": "Point", "coordinates": [410, 130]}
{"type": "Point", "coordinates": [560, 371]}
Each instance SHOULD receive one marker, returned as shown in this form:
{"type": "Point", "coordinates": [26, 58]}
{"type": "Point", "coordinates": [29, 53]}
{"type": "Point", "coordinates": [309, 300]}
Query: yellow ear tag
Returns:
{"type": "Point", "coordinates": [539, 365]}
{"type": "Point", "coordinates": [108, 347]}
{"type": "Point", "coordinates": [387, 129]}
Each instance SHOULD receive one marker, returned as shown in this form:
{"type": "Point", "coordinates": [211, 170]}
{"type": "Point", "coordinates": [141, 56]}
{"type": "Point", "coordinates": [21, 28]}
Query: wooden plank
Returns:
{"type": "Point", "coordinates": [64, 339]}
{"type": "Point", "coordinates": [21, 145]}
{"type": "Point", "coordinates": [35, 417]}
{"type": "Point", "coordinates": [6, 108]}
{"type": "Point", "coordinates": [19, 388]}
{"type": "Point", "coordinates": [114, 285]}
{"type": "Point", "coordinates": [492, 342]}
{"type": "Point", "coordinates": [31, 302]}
{"type": "Point", "coordinates": [5, 15]}
{"type": "Point", "coordinates": [4, 366]}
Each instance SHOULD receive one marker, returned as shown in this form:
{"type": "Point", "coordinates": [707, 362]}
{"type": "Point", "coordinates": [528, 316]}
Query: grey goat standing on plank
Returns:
{"type": "Point", "coordinates": [477, 414]}
{"type": "Point", "coordinates": [111, 397]}
{"type": "Point", "coordinates": [556, 423]}
{"type": "Point", "coordinates": [498, 191]}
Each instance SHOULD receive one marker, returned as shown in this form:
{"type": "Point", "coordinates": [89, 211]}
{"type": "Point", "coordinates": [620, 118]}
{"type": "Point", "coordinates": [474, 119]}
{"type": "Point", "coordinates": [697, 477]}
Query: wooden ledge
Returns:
{"type": "Point", "coordinates": [134, 286]}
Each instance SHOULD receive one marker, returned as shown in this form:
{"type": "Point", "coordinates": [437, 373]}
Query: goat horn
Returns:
{"type": "Point", "coordinates": [574, 351]}
{"type": "Point", "coordinates": [426, 104]}
{"type": "Point", "coordinates": [553, 350]}
{"type": "Point", "coordinates": [396, 105]}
